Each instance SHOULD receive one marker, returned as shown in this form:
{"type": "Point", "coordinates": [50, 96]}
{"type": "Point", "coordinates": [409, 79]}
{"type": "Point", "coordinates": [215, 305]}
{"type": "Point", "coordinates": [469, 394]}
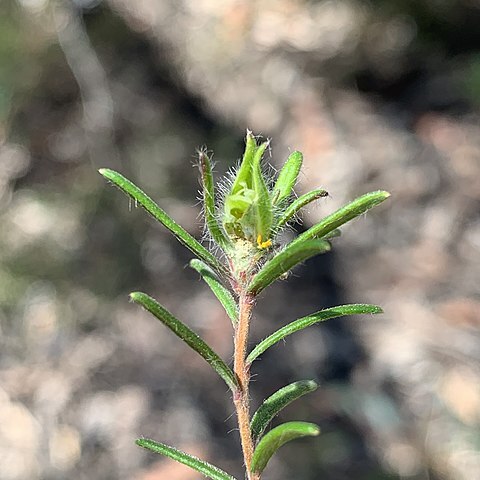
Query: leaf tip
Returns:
{"type": "Point", "coordinates": [108, 174]}
{"type": "Point", "coordinates": [311, 384]}
{"type": "Point", "coordinates": [380, 196]}
{"type": "Point", "coordinates": [203, 160]}
{"type": "Point", "coordinates": [136, 296]}
{"type": "Point", "coordinates": [296, 155]}
{"type": "Point", "coordinates": [385, 194]}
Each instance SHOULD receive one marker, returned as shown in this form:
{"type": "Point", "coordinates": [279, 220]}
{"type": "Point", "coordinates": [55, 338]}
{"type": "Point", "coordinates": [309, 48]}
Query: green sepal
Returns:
{"type": "Point", "coordinates": [262, 211]}
{"type": "Point", "coordinates": [299, 203]}
{"type": "Point", "coordinates": [343, 215]}
{"type": "Point", "coordinates": [188, 336]}
{"type": "Point", "coordinates": [130, 189]}
{"type": "Point", "coordinates": [223, 295]}
{"type": "Point", "coordinates": [287, 178]}
{"type": "Point", "coordinates": [277, 437]}
{"type": "Point", "coordinates": [205, 468]}
{"type": "Point", "coordinates": [244, 174]}
{"type": "Point", "coordinates": [278, 401]}
{"type": "Point", "coordinates": [283, 261]}
{"type": "Point", "coordinates": [209, 200]}
{"type": "Point", "coordinates": [304, 322]}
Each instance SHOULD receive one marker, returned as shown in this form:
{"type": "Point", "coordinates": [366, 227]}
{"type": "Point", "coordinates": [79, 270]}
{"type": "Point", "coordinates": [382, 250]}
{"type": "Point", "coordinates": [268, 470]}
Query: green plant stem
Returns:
{"type": "Point", "coordinates": [241, 396]}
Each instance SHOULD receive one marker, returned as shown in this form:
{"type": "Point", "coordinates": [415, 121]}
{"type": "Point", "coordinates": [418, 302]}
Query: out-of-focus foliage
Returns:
{"type": "Point", "coordinates": [12, 49]}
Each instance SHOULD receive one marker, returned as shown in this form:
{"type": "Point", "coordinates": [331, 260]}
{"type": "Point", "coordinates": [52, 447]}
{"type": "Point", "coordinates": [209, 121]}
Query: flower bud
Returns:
{"type": "Point", "coordinates": [248, 211]}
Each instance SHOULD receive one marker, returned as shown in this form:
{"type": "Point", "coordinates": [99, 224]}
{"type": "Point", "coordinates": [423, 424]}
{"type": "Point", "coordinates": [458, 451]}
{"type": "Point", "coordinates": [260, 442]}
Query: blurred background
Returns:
{"type": "Point", "coordinates": [376, 94]}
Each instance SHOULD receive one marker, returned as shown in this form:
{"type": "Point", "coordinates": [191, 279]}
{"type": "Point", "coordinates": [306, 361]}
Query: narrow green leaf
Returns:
{"type": "Point", "coordinates": [223, 295]}
{"type": "Point", "coordinates": [209, 200]}
{"type": "Point", "coordinates": [205, 468]}
{"type": "Point", "coordinates": [299, 203]}
{"type": "Point", "coordinates": [304, 322]}
{"type": "Point", "coordinates": [187, 335]}
{"type": "Point", "coordinates": [277, 437]}
{"type": "Point", "coordinates": [343, 215]}
{"type": "Point", "coordinates": [263, 202]}
{"type": "Point", "coordinates": [159, 214]}
{"type": "Point", "coordinates": [283, 261]}
{"type": "Point", "coordinates": [287, 178]}
{"type": "Point", "coordinates": [278, 401]}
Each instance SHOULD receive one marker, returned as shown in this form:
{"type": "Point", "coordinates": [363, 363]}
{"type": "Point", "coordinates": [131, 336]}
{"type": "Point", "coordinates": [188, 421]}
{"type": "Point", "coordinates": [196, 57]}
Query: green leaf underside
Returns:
{"type": "Point", "coordinates": [205, 468]}
{"type": "Point", "coordinates": [301, 323]}
{"type": "Point", "coordinates": [223, 295]}
{"type": "Point", "coordinates": [187, 335]}
{"type": "Point", "coordinates": [299, 203]}
{"type": "Point", "coordinates": [277, 437]}
{"type": "Point", "coordinates": [209, 200]}
{"type": "Point", "coordinates": [333, 234]}
{"type": "Point", "coordinates": [283, 261]}
{"type": "Point", "coordinates": [343, 215]}
{"type": "Point", "coordinates": [159, 214]}
{"type": "Point", "coordinates": [287, 177]}
{"type": "Point", "coordinates": [278, 401]}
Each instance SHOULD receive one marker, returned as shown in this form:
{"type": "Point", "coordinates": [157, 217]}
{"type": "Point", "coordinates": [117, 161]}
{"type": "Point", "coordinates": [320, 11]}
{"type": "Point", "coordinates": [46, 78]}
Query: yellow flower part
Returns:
{"type": "Point", "coordinates": [262, 245]}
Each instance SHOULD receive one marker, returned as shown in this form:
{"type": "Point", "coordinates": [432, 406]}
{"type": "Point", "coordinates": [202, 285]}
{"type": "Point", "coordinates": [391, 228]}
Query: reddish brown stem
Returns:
{"type": "Point", "coordinates": [241, 396]}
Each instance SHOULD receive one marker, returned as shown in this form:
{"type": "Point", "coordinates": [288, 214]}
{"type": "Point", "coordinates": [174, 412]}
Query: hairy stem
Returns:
{"type": "Point", "coordinates": [241, 396]}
